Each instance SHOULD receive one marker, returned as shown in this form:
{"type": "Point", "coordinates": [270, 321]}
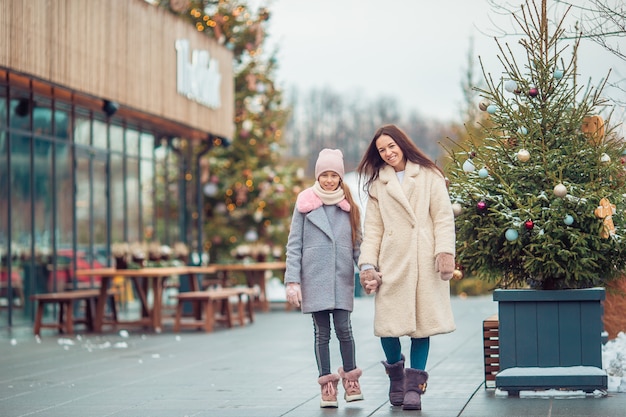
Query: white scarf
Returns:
{"type": "Point", "coordinates": [329, 198]}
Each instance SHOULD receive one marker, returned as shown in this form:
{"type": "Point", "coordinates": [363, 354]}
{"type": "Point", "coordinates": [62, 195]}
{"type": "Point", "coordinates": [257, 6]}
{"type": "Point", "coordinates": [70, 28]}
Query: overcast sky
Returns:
{"type": "Point", "coordinates": [413, 50]}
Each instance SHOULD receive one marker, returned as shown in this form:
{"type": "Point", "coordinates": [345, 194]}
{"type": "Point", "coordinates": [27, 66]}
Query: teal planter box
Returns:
{"type": "Point", "coordinates": [556, 331]}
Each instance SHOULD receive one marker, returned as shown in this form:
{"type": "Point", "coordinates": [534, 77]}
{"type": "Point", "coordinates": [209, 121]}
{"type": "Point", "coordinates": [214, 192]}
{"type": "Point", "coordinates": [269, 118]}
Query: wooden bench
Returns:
{"type": "Point", "coordinates": [491, 350]}
{"type": "Point", "coordinates": [66, 299]}
{"type": "Point", "coordinates": [214, 306]}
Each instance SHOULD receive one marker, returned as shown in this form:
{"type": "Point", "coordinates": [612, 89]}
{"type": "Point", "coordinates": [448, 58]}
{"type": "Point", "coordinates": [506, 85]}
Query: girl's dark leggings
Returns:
{"type": "Point", "coordinates": [343, 330]}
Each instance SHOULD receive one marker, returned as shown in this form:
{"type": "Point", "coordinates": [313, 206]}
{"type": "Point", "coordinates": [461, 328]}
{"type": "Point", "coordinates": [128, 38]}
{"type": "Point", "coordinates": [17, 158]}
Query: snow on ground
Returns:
{"type": "Point", "coordinates": [614, 362]}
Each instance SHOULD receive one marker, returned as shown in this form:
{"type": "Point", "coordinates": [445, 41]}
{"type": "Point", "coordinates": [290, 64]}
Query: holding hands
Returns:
{"type": "Point", "coordinates": [370, 280]}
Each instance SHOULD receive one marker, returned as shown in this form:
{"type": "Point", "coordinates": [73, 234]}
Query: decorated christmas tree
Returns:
{"type": "Point", "coordinates": [250, 189]}
{"type": "Point", "coordinates": [539, 195]}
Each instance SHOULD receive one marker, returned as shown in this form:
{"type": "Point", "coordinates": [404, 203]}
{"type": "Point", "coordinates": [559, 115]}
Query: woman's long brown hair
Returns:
{"type": "Point", "coordinates": [371, 163]}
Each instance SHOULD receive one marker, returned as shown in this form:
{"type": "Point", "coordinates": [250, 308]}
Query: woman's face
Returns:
{"type": "Point", "coordinates": [390, 152]}
{"type": "Point", "coordinates": [329, 180]}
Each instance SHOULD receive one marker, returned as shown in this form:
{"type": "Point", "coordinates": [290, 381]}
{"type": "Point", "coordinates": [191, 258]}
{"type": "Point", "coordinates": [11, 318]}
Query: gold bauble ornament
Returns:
{"type": "Point", "coordinates": [523, 155]}
{"type": "Point", "coordinates": [560, 190]}
{"type": "Point", "coordinates": [457, 274]}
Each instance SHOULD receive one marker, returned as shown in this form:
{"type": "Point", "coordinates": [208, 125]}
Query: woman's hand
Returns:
{"type": "Point", "coordinates": [294, 294]}
{"type": "Point", "coordinates": [445, 265]}
{"type": "Point", "coordinates": [370, 280]}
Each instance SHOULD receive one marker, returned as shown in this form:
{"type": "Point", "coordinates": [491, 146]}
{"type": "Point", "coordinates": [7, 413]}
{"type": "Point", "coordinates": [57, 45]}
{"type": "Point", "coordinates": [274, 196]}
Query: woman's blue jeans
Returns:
{"type": "Point", "coordinates": [419, 351]}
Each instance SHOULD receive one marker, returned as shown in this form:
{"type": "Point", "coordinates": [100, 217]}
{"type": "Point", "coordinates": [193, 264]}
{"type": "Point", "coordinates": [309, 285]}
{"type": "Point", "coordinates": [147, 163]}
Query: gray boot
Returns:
{"type": "Point", "coordinates": [414, 387]}
{"type": "Point", "coordinates": [395, 371]}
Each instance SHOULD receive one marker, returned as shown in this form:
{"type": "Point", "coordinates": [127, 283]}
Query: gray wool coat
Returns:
{"type": "Point", "coordinates": [406, 226]}
{"type": "Point", "coordinates": [321, 257]}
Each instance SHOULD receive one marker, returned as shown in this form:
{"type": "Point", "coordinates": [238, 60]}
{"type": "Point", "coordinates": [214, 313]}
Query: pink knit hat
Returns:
{"type": "Point", "coordinates": [329, 160]}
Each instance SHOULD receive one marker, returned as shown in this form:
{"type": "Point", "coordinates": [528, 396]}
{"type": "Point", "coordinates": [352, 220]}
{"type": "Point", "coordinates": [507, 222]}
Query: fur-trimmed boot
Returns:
{"type": "Point", "coordinates": [414, 387]}
{"type": "Point", "coordinates": [395, 371]}
{"type": "Point", "coordinates": [329, 390]}
{"type": "Point", "coordinates": [350, 382]}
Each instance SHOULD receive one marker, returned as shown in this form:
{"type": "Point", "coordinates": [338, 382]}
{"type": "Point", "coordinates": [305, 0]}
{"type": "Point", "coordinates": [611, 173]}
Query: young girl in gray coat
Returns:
{"type": "Point", "coordinates": [322, 251]}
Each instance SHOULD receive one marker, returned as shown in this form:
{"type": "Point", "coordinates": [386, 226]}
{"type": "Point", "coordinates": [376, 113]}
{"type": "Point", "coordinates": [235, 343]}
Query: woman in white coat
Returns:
{"type": "Point", "coordinates": [322, 251]}
{"type": "Point", "coordinates": [407, 256]}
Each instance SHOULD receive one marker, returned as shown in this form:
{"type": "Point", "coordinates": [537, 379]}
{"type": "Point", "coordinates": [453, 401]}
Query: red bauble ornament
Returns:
{"type": "Point", "coordinates": [529, 224]}
{"type": "Point", "coordinates": [533, 92]}
{"type": "Point", "coordinates": [481, 206]}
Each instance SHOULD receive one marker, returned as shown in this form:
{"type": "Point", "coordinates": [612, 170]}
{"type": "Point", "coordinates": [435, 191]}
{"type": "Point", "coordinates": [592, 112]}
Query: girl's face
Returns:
{"type": "Point", "coordinates": [390, 152]}
{"type": "Point", "coordinates": [329, 180]}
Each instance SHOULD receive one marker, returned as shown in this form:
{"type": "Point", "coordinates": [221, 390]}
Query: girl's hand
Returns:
{"type": "Point", "coordinates": [294, 294]}
{"type": "Point", "coordinates": [370, 280]}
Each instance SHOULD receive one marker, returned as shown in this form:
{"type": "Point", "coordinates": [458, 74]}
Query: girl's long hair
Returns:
{"type": "Point", "coordinates": [372, 162]}
{"type": "Point", "coordinates": [355, 215]}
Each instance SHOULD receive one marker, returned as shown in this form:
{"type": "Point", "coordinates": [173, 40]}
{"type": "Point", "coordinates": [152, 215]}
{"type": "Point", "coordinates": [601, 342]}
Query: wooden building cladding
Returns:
{"type": "Point", "coordinates": [118, 50]}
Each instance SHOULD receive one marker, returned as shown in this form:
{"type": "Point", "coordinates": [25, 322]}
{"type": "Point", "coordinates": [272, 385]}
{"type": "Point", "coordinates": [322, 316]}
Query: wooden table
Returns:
{"type": "Point", "coordinates": [143, 280]}
{"type": "Point", "coordinates": [255, 275]}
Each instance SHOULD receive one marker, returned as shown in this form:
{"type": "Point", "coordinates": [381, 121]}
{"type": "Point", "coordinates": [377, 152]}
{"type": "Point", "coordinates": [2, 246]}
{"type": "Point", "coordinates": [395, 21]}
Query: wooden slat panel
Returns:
{"type": "Point", "coordinates": [570, 344]}
{"type": "Point", "coordinates": [121, 50]}
{"type": "Point", "coordinates": [526, 329]}
{"type": "Point", "coordinates": [591, 317]}
{"type": "Point", "coordinates": [548, 331]}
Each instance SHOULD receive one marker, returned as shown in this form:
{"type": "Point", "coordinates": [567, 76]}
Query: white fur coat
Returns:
{"type": "Point", "coordinates": [406, 226]}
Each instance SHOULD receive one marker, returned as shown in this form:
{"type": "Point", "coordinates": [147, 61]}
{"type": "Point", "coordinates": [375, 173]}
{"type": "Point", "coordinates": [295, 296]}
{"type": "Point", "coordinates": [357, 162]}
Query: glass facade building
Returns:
{"type": "Point", "coordinates": [78, 170]}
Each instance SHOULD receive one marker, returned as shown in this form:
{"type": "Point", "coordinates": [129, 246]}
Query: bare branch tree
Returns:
{"type": "Point", "coordinates": [603, 22]}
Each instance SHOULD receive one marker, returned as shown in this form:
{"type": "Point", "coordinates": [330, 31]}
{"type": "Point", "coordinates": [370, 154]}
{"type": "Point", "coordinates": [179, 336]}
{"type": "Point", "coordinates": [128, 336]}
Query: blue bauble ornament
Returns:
{"type": "Point", "coordinates": [492, 108]}
{"type": "Point", "coordinates": [558, 74]}
{"type": "Point", "coordinates": [568, 220]}
{"type": "Point", "coordinates": [483, 173]}
{"type": "Point", "coordinates": [511, 235]}
{"type": "Point", "coordinates": [522, 130]}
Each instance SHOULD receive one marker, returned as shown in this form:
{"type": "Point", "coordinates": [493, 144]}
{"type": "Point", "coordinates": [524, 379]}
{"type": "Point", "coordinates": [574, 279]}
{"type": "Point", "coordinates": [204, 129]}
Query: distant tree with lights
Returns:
{"type": "Point", "coordinates": [250, 190]}
{"type": "Point", "coordinates": [539, 194]}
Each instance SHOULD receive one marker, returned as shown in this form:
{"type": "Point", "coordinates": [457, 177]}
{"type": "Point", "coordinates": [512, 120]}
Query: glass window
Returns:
{"type": "Point", "coordinates": [118, 213]}
{"type": "Point", "coordinates": [132, 200]}
{"type": "Point", "coordinates": [65, 193]}
{"type": "Point", "coordinates": [62, 122]}
{"type": "Point", "coordinates": [132, 142]}
{"type": "Point", "coordinates": [117, 138]}
{"type": "Point", "coordinates": [4, 184]}
{"type": "Point", "coordinates": [147, 197]}
{"type": "Point", "coordinates": [42, 117]}
{"type": "Point", "coordinates": [147, 146]}
{"type": "Point", "coordinates": [42, 208]}
{"type": "Point", "coordinates": [20, 112]}
{"type": "Point", "coordinates": [21, 203]}
{"type": "Point", "coordinates": [3, 108]}
{"type": "Point", "coordinates": [82, 130]}
{"type": "Point", "coordinates": [100, 223]}
{"type": "Point", "coordinates": [99, 134]}
{"type": "Point", "coordinates": [83, 198]}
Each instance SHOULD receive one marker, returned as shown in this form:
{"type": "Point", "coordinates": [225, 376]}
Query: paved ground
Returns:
{"type": "Point", "coordinates": [266, 369]}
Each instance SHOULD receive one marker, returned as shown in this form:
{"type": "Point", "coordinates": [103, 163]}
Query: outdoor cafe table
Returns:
{"type": "Point", "coordinates": [143, 279]}
{"type": "Point", "coordinates": [255, 275]}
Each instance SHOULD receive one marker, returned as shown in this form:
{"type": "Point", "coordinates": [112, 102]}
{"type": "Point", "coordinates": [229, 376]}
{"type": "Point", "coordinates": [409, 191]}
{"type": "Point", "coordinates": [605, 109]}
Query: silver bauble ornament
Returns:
{"type": "Point", "coordinates": [468, 166]}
